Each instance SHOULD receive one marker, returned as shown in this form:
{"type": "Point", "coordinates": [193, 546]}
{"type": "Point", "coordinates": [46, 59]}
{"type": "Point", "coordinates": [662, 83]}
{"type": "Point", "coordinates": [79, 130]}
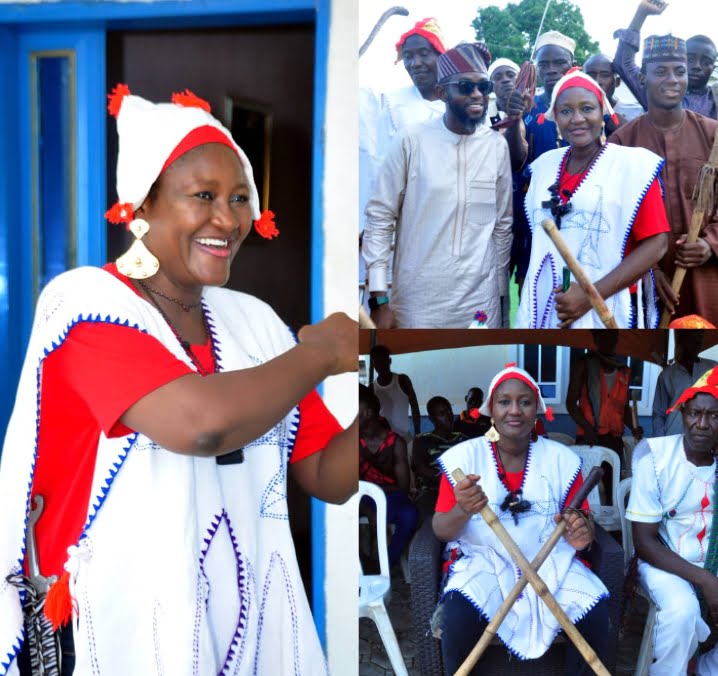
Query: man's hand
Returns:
{"type": "Point", "coordinates": [665, 291]}
{"type": "Point", "coordinates": [336, 337]}
{"type": "Point", "coordinates": [571, 305]}
{"type": "Point", "coordinates": [709, 590]}
{"type": "Point", "coordinates": [652, 6]}
{"type": "Point", "coordinates": [519, 103]}
{"type": "Point", "coordinates": [383, 317]}
{"type": "Point", "coordinates": [469, 495]}
{"type": "Point", "coordinates": [692, 255]}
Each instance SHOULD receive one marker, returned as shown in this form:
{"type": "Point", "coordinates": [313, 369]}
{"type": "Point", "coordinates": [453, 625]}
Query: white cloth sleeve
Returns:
{"type": "Point", "coordinates": [644, 503]}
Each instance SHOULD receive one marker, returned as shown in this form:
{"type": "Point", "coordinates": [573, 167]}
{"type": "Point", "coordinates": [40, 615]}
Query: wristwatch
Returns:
{"type": "Point", "coordinates": [376, 301]}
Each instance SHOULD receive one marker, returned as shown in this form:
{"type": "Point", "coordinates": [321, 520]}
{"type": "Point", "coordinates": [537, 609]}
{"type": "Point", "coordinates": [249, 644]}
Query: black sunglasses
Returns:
{"type": "Point", "coordinates": [466, 87]}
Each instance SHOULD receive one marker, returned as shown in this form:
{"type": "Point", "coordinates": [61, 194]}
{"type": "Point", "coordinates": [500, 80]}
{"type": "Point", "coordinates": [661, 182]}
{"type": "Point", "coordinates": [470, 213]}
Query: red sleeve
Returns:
{"type": "Point", "coordinates": [316, 427]}
{"type": "Point", "coordinates": [96, 361]}
{"type": "Point", "coordinates": [651, 218]}
{"type": "Point", "coordinates": [446, 499]}
{"type": "Point", "coordinates": [578, 482]}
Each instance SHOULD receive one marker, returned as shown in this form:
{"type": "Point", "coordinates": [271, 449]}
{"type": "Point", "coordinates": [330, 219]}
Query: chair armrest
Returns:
{"type": "Point", "coordinates": [425, 570]}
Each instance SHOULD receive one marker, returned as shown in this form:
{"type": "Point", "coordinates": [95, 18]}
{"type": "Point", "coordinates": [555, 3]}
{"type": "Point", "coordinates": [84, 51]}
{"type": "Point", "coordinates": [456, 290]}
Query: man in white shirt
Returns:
{"type": "Point", "coordinates": [672, 506]}
{"type": "Point", "coordinates": [445, 190]}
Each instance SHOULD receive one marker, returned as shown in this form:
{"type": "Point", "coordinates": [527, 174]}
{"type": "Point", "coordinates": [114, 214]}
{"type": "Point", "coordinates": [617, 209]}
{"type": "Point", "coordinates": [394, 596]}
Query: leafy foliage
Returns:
{"type": "Point", "coordinates": [511, 32]}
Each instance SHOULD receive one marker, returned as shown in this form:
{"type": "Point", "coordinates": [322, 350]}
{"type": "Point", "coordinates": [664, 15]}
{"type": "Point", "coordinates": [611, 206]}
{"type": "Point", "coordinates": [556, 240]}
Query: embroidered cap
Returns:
{"type": "Point", "coordinates": [664, 48]}
{"type": "Point", "coordinates": [555, 39]}
{"type": "Point", "coordinates": [426, 28]}
{"type": "Point", "coordinates": [513, 372]}
{"type": "Point", "coordinates": [153, 135]}
{"type": "Point", "coordinates": [707, 384]}
{"type": "Point", "coordinates": [466, 57]}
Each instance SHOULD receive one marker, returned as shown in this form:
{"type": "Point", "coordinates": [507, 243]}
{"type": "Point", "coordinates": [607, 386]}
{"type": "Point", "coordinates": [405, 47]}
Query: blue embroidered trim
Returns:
{"type": "Point", "coordinates": [10, 657]}
{"type": "Point", "coordinates": [214, 340]}
{"type": "Point", "coordinates": [568, 490]}
{"type": "Point", "coordinates": [534, 303]}
{"type": "Point", "coordinates": [289, 592]}
{"type": "Point", "coordinates": [293, 431]}
{"type": "Point", "coordinates": [633, 321]}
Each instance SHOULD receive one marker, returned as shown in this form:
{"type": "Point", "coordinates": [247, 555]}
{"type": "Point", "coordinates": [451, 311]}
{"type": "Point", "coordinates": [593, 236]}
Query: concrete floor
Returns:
{"type": "Point", "coordinates": [373, 660]}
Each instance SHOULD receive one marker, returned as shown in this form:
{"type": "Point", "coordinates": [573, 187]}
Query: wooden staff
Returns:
{"type": "Point", "coordinates": [365, 321]}
{"type": "Point", "coordinates": [634, 408]}
{"type": "Point", "coordinates": [705, 197]}
{"type": "Point", "coordinates": [592, 479]}
{"type": "Point", "coordinates": [586, 284]}
{"type": "Point", "coordinates": [542, 591]}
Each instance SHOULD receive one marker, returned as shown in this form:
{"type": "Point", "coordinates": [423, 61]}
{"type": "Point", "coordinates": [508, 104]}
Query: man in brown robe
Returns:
{"type": "Point", "coordinates": [684, 139]}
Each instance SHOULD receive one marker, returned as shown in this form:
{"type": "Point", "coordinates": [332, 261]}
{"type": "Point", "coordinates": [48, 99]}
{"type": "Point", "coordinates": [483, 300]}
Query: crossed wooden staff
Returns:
{"type": "Point", "coordinates": [530, 576]}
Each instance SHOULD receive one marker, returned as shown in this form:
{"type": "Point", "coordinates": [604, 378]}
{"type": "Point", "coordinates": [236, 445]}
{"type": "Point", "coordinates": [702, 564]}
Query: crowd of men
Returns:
{"type": "Point", "coordinates": [440, 248]}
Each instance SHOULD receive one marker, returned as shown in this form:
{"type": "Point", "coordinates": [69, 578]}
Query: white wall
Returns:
{"type": "Point", "coordinates": [340, 275]}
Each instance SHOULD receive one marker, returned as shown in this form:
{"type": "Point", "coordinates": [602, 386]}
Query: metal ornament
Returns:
{"type": "Point", "coordinates": [138, 262]}
{"type": "Point", "coordinates": [492, 434]}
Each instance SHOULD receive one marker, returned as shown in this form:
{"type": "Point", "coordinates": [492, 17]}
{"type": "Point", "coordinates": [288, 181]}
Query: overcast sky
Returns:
{"type": "Point", "coordinates": [377, 70]}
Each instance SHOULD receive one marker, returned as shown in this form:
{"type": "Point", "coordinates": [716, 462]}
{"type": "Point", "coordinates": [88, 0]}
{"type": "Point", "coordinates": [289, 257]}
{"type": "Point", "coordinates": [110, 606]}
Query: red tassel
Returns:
{"type": "Point", "coordinates": [541, 118]}
{"type": "Point", "coordinates": [265, 226]}
{"type": "Point", "coordinates": [190, 100]}
{"type": "Point", "coordinates": [549, 414]}
{"type": "Point", "coordinates": [120, 212]}
{"type": "Point", "coordinates": [59, 605]}
{"type": "Point", "coordinates": [116, 97]}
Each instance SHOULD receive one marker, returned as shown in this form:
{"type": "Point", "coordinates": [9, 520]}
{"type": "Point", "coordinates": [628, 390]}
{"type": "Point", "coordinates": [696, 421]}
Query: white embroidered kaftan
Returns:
{"type": "Point", "coordinates": [486, 573]}
{"type": "Point", "coordinates": [184, 567]}
{"type": "Point", "coordinates": [448, 198]}
{"type": "Point", "coordinates": [596, 230]}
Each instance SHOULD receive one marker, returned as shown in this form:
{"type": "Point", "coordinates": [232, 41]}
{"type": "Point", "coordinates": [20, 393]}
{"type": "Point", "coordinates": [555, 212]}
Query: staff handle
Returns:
{"type": "Point", "coordinates": [473, 657]}
{"type": "Point", "coordinates": [542, 591]}
{"type": "Point", "coordinates": [586, 284]}
{"type": "Point", "coordinates": [680, 272]}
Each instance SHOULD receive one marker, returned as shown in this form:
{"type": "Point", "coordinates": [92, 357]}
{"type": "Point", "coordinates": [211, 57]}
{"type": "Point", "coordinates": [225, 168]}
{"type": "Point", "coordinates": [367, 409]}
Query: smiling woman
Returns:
{"type": "Point", "coordinates": [164, 414]}
{"type": "Point", "coordinates": [608, 204]}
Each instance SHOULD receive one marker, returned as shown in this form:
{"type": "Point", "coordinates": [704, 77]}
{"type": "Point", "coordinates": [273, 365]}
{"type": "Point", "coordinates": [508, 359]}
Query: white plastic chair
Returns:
{"type": "Point", "coordinates": [645, 652]}
{"type": "Point", "coordinates": [606, 515]}
{"type": "Point", "coordinates": [565, 439]}
{"type": "Point", "coordinates": [374, 588]}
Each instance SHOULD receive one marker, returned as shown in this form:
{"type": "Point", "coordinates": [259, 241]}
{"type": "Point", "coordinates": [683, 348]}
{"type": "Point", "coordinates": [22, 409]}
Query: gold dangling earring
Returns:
{"type": "Point", "coordinates": [492, 434]}
{"type": "Point", "coordinates": [138, 262]}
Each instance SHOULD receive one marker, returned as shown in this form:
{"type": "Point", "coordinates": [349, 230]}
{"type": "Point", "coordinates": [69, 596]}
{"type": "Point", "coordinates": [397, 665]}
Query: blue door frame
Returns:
{"type": "Point", "coordinates": [81, 28]}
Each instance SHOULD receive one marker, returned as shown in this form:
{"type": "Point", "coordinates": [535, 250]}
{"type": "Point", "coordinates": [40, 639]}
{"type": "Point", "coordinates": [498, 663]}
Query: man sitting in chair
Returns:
{"type": "Point", "coordinates": [671, 507]}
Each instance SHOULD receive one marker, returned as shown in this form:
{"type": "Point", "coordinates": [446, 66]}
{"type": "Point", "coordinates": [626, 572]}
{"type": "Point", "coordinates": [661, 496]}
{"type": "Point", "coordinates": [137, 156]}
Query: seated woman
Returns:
{"type": "Point", "coordinates": [527, 481]}
{"type": "Point", "coordinates": [608, 205]}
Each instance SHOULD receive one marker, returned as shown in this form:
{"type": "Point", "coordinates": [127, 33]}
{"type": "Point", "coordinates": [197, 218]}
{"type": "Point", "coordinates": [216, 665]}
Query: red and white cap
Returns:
{"type": "Point", "coordinates": [575, 78]}
{"type": "Point", "coordinates": [513, 372]}
{"type": "Point", "coordinates": [153, 135]}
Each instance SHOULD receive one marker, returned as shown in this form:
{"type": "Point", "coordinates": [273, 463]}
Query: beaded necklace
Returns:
{"type": "Point", "coordinates": [187, 307]}
{"type": "Point", "coordinates": [186, 346]}
{"type": "Point", "coordinates": [514, 501]}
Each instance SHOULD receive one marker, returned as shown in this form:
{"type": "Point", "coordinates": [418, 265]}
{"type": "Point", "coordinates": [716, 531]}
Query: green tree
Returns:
{"type": "Point", "coordinates": [511, 32]}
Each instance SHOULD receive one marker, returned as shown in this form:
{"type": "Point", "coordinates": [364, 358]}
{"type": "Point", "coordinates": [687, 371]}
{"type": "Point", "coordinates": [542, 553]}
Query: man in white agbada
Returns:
{"type": "Point", "coordinates": [159, 416]}
{"type": "Point", "coordinates": [444, 189]}
{"type": "Point", "coordinates": [527, 480]}
{"type": "Point", "coordinates": [671, 507]}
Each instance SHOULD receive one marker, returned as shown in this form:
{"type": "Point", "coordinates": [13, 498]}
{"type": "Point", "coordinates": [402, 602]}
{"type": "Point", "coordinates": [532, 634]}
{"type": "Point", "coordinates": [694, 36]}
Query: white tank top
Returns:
{"type": "Point", "coordinates": [394, 405]}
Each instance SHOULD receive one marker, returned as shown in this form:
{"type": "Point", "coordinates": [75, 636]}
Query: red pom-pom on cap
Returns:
{"type": "Point", "coordinates": [541, 118]}
{"type": "Point", "coordinates": [120, 212]}
{"type": "Point", "coordinates": [549, 414]}
{"type": "Point", "coordinates": [189, 99]}
{"type": "Point", "coordinates": [509, 364]}
{"type": "Point", "coordinates": [265, 225]}
{"type": "Point", "coordinates": [116, 97]}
